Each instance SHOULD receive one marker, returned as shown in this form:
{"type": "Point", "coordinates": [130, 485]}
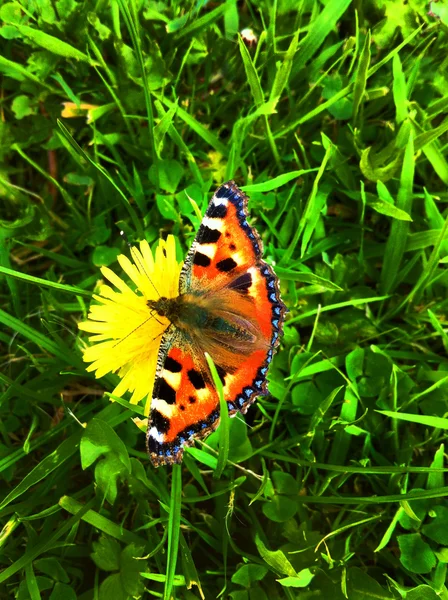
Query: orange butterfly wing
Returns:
{"type": "Point", "coordinates": [225, 271]}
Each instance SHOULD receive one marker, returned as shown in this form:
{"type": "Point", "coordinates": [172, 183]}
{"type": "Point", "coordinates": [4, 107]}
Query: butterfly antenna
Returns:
{"type": "Point", "coordinates": [151, 316]}
{"type": "Point", "coordinates": [136, 257]}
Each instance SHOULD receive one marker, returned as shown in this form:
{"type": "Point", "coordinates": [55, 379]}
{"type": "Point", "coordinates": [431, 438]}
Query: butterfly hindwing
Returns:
{"type": "Point", "coordinates": [184, 404]}
{"type": "Point", "coordinates": [224, 272]}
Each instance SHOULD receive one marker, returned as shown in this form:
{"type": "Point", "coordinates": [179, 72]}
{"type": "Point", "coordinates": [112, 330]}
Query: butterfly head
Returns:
{"type": "Point", "coordinates": [165, 307]}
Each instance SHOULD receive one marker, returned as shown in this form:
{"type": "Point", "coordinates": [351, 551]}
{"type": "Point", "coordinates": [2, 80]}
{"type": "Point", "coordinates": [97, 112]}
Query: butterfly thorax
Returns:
{"type": "Point", "coordinates": [166, 307]}
{"type": "Point", "coordinates": [208, 320]}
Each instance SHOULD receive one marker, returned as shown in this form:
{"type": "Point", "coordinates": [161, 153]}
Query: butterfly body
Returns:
{"type": "Point", "coordinates": [228, 306]}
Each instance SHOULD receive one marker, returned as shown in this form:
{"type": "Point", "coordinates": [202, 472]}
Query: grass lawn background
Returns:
{"type": "Point", "coordinates": [113, 114]}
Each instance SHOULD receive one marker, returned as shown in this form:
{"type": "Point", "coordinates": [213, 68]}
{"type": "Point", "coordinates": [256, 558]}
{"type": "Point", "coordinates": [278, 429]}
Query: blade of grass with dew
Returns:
{"type": "Point", "coordinates": [224, 424]}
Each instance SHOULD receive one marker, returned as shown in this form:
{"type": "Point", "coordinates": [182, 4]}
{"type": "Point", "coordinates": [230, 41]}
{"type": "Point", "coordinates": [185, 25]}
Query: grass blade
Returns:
{"type": "Point", "coordinates": [438, 422]}
{"type": "Point", "coordinates": [173, 530]}
{"type": "Point", "coordinates": [283, 72]}
{"type": "Point", "coordinates": [276, 182]}
{"type": "Point", "coordinates": [320, 29]}
{"type": "Point", "coordinates": [400, 90]}
{"type": "Point", "coordinates": [70, 289]}
{"type": "Point", "coordinates": [130, 14]}
{"type": "Point", "coordinates": [399, 230]}
{"type": "Point", "coordinates": [359, 88]}
{"type": "Point", "coordinates": [251, 73]}
{"type": "Point", "coordinates": [52, 44]}
{"type": "Point", "coordinates": [224, 424]}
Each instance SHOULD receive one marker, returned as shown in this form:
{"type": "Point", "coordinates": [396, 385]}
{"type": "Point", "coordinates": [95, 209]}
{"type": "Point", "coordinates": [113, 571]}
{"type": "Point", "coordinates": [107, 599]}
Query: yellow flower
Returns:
{"type": "Point", "coordinates": [127, 334]}
{"type": "Point", "coordinates": [72, 110]}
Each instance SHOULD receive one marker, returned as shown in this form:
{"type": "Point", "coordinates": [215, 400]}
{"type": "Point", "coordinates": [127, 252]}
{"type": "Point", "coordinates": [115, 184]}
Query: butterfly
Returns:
{"type": "Point", "coordinates": [229, 306]}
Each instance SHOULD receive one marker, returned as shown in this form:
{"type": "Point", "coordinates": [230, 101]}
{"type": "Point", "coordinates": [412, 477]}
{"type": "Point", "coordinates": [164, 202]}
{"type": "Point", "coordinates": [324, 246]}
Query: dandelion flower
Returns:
{"type": "Point", "coordinates": [126, 335]}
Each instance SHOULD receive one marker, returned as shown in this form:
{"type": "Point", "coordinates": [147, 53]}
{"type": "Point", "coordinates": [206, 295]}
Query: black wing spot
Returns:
{"type": "Point", "coordinates": [201, 260]}
{"type": "Point", "coordinates": [191, 399]}
{"type": "Point", "coordinates": [226, 265]}
{"type": "Point", "coordinates": [223, 192]}
{"type": "Point", "coordinates": [161, 423]}
{"type": "Point", "coordinates": [232, 246]}
{"type": "Point", "coordinates": [207, 235]}
{"type": "Point", "coordinates": [165, 391]}
{"type": "Point", "coordinates": [196, 379]}
{"type": "Point", "coordinates": [172, 365]}
{"type": "Point", "coordinates": [222, 374]}
{"type": "Point", "coordinates": [242, 283]}
{"type": "Point", "coordinates": [216, 211]}
{"type": "Point", "coordinates": [182, 407]}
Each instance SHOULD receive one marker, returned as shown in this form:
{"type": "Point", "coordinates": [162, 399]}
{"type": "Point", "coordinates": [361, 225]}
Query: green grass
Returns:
{"type": "Point", "coordinates": [335, 124]}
